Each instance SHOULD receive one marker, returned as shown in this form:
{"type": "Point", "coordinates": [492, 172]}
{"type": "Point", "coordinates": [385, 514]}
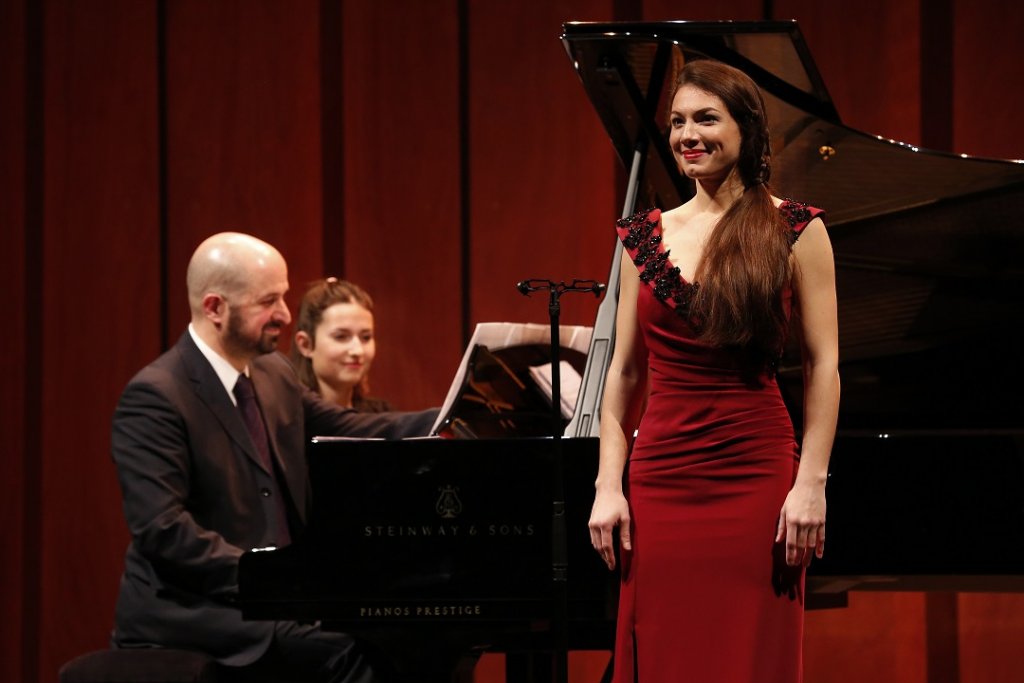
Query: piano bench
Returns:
{"type": "Point", "coordinates": [141, 665]}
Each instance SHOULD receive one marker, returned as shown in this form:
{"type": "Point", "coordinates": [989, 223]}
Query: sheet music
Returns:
{"type": "Point", "coordinates": [569, 384]}
{"type": "Point", "coordinates": [497, 336]}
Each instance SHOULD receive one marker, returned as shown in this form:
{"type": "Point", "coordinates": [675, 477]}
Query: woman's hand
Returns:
{"type": "Point", "coordinates": [610, 511]}
{"type": "Point", "coordinates": [802, 523]}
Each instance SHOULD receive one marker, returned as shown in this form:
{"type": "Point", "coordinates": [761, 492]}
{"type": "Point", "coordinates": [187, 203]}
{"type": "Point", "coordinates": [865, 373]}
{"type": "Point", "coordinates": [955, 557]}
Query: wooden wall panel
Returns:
{"type": "Point", "coordinates": [402, 219]}
{"type": "Point", "coordinates": [694, 10]}
{"type": "Point", "coordinates": [542, 169]}
{"type": "Point", "coordinates": [991, 633]}
{"type": "Point", "coordinates": [987, 101]}
{"type": "Point", "coordinates": [13, 343]}
{"type": "Point", "coordinates": [880, 637]}
{"type": "Point", "coordinates": [868, 54]}
{"type": "Point", "coordinates": [243, 133]}
{"type": "Point", "coordinates": [100, 285]}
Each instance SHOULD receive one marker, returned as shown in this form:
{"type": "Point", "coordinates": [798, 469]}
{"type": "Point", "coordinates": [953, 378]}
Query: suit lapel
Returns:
{"type": "Point", "coordinates": [211, 392]}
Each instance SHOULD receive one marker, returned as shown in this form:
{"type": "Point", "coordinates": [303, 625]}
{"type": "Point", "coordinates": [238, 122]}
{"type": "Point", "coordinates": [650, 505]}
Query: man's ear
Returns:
{"type": "Point", "coordinates": [215, 308]}
{"type": "Point", "coordinates": [304, 343]}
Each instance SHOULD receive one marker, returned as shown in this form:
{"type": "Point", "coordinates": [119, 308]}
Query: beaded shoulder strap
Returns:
{"type": "Point", "coordinates": [798, 215]}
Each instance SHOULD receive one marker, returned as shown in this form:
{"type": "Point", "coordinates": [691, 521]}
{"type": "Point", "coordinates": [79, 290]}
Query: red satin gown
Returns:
{"type": "Point", "coordinates": [706, 596]}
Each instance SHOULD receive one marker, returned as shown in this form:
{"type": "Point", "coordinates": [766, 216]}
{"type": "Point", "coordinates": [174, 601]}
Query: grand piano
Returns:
{"type": "Point", "coordinates": [926, 484]}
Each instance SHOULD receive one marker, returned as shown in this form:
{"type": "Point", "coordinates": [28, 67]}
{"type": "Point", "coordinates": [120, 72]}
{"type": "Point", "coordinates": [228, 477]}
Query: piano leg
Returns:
{"type": "Point", "coordinates": [533, 667]}
{"type": "Point", "coordinates": [463, 671]}
{"type": "Point", "coordinates": [439, 666]}
{"type": "Point", "coordinates": [528, 667]}
{"type": "Point", "coordinates": [397, 657]}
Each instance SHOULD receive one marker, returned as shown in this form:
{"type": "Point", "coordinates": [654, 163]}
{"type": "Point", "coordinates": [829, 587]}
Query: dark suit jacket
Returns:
{"type": "Point", "coordinates": [195, 493]}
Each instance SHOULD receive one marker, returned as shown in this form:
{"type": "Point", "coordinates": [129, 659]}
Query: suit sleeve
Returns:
{"type": "Point", "coordinates": [326, 419]}
{"type": "Point", "coordinates": [151, 451]}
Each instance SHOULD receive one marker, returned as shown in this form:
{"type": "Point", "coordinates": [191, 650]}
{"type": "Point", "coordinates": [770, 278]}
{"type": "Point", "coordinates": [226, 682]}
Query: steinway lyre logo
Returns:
{"type": "Point", "coordinates": [448, 504]}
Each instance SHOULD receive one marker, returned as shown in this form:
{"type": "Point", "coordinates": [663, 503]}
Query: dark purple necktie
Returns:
{"type": "Point", "coordinates": [245, 393]}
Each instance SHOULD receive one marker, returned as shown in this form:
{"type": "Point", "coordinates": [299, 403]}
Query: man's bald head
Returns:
{"type": "Point", "coordinates": [227, 264]}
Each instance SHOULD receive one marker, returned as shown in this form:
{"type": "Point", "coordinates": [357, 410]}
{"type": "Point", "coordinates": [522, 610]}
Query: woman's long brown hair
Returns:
{"type": "Point", "coordinates": [745, 264]}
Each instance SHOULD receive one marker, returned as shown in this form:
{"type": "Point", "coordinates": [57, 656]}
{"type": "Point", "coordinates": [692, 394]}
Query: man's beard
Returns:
{"type": "Point", "coordinates": [266, 343]}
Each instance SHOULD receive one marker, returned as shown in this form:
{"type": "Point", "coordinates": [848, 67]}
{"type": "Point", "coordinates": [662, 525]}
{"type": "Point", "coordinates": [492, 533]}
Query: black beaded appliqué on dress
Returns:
{"type": "Point", "coordinates": [654, 265]}
{"type": "Point", "coordinates": [796, 213]}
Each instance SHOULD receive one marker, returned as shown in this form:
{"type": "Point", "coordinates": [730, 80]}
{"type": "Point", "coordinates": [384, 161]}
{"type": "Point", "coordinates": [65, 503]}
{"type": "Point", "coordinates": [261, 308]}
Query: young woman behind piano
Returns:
{"type": "Point", "coordinates": [335, 345]}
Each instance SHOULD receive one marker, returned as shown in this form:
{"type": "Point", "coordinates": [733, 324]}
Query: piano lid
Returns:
{"type": "Point", "coordinates": [928, 244]}
{"type": "Point", "coordinates": [627, 70]}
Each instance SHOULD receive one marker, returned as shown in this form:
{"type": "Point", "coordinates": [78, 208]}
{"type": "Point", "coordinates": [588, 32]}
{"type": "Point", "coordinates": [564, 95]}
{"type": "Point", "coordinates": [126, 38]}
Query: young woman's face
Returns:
{"type": "Point", "coordinates": [343, 347]}
{"type": "Point", "coordinates": [705, 139]}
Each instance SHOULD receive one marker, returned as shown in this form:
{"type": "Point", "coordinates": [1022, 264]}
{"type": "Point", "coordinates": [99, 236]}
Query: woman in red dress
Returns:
{"type": "Point", "coordinates": [717, 508]}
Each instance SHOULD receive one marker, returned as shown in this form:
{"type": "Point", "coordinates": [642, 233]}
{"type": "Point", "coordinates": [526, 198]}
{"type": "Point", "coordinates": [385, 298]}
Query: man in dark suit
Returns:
{"type": "Point", "coordinates": [209, 443]}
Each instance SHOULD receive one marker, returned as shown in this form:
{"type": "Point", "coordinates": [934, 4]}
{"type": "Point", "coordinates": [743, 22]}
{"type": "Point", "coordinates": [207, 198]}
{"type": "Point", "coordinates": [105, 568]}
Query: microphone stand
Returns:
{"type": "Point", "coordinates": [559, 538]}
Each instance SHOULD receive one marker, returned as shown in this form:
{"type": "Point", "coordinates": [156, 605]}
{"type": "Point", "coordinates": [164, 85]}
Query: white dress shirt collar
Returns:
{"type": "Point", "coordinates": [225, 370]}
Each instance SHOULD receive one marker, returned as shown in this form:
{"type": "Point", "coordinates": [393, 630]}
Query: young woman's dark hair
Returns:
{"type": "Point", "coordinates": [745, 264]}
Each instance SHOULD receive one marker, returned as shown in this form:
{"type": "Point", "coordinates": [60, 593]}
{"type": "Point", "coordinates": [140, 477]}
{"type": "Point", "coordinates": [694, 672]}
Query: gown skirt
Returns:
{"type": "Point", "coordinates": [706, 595]}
